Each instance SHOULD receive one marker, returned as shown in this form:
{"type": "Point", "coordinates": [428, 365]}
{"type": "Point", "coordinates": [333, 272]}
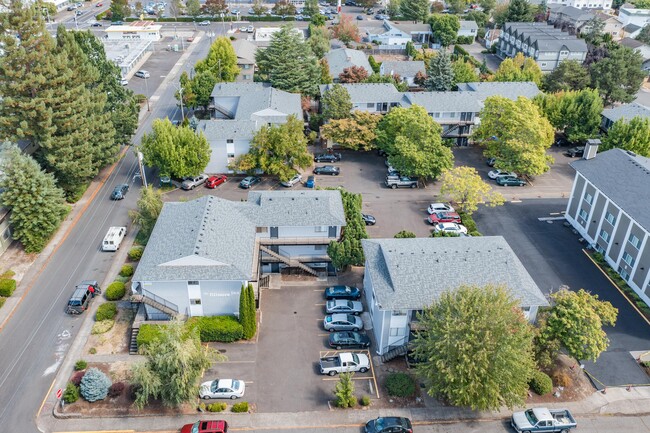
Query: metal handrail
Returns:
{"type": "Point", "coordinates": [160, 300]}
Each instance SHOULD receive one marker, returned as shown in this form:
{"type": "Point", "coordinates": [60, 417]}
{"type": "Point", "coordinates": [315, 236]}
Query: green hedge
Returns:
{"type": "Point", "coordinates": [216, 407]}
{"type": "Point", "coordinates": [71, 393]}
{"type": "Point", "coordinates": [2, 301]}
{"type": "Point", "coordinates": [7, 287]}
{"type": "Point", "coordinates": [228, 19]}
{"type": "Point", "coordinates": [400, 385]}
{"type": "Point", "coordinates": [470, 224]}
{"type": "Point", "coordinates": [106, 311]}
{"type": "Point", "coordinates": [465, 40]}
{"type": "Point", "coordinates": [240, 407]}
{"type": "Point", "coordinates": [148, 333]}
{"type": "Point", "coordinates": [80, 365]}
{"type": "Point", "coordinates": [115, 291]}
{"type": "Point", "coordinates": [224, 329]}
{"type": "Point", "coordinates": [126, 271]}
{"type": "Point", "coordinates": [135, 253]}
{"type": "Point", "coordinates": [541, 383]}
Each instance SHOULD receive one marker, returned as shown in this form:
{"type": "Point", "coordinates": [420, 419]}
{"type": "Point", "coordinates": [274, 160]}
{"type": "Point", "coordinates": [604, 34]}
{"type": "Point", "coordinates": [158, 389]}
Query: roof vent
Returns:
{"type": "Point", "coordinates": [629, 152]}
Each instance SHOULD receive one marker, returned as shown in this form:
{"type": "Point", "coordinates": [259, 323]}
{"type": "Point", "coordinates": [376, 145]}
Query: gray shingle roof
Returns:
{"type": "Point", "coordinates": [576, 14]}
{"type": "Point", "coordinates": [211, 238]}
{"type": "Point", "coordinates": [527, 89]}
{"type": "Point", "coordinates": [468, 25]}
{"type": "Point", "coordinates": [623, 178]}
{"type": "Point", "coordinates": [342, 58]}
{"type": "Point", "coordinates": [369, 92]}
{"type": "Point", "coordinates": [631, 28]}
{"type": "Point", "coordinates": [227, 129]}
{"type": "Point", "coordinates": [245, 51]}
{"type": "Point", "coordinates": [627, 112]}
{"type": "Point", "coordinates": [254, 97]}
{"type": "Point", "coordinates": [403, 68]}
{"type": "Point", "coordinates": [629, 42]}
{"type": "Point", "coordinates": [412, 273]}
{"type": "Point", "coordinates": [412, 27]}
{"type": "Point", "coordinates": [435, 102]}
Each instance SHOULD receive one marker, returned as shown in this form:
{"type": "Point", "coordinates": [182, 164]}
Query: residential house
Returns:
{"type": "Point", "coordinates": [245, 52]}
{"type": "Point", "coordinates": [468, 29]}
{"type": "Point", "coordinates": [512, 90]}
{"type": "Point", "coordinates": [642, 48]}
{"type": "Point", "coordinates": [631, 30]}
{"type": "Point", "coordinates": [406, 70]}
{"type": "Point", "coordinates": [371, 97]}
{"type": "Point", "coordinates": [612, 25]}
{"type": "Point", "coordinates": [202, 251]}
{"type": "Point", "coordinates": [626, 112]}
{"type": "Point", "coordinates": [404, 276]}
{"type": "Point", "coordinates": [262, 36]}
{"type": "Point", "coordinates": [591, 4]}
{"type": "Point", "coordinates": [547, 45]}
{"type": "Point", "coordinates": [630, 14]}
{"type": "Point", "coordinates": [491, 37]}
{"type": "Point", "coordinates": [392, 35]}
{"type": "Point", "coordinates": [614, 215]}
{"type": "Point", "coordinates": [136, 30]}
{"type": "Point", "coordinates": [340, 59]}
{"type": "Point", "coordinates": [238, 111]}
{"type": "Point", "coordinates": [569, 18]}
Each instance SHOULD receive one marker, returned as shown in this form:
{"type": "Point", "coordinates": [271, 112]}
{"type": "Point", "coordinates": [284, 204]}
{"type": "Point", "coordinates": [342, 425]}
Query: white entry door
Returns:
{"type": "Point", "coordinates": [194, 295]}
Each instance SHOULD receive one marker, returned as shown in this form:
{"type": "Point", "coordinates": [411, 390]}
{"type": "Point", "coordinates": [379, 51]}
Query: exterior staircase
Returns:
{"type": "Point", "coordinates": [290, 262]}
{"type": "Point", "coordinates": [223, 110]}
{"type": "Point", "coordinates": [133, 344]}
{"type": "Point", "coordinates": [394, 353]}
{"type": "Point", "coordinates": [156, 302]}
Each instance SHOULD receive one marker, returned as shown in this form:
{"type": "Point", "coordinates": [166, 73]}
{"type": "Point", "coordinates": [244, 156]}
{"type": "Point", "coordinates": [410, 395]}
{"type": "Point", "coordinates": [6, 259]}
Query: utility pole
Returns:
{"type": "Point", "coordinates": [146, 85]}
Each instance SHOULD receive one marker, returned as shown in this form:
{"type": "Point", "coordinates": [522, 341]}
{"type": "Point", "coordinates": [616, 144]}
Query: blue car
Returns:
{"type": "Point", "coordinates": [311, 182]}
{"type": "Point", "coordinates": [342, 292]}
{"type": "Point", "coordinates": [249, 182]}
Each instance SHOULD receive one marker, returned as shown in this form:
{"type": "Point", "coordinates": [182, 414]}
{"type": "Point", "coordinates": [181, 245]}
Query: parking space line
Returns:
{"type": "Point", "coordinates": [373, 377]}
{"type": "Point", "coordinates": [320, 304]}
{"type": "Point", "coordinates": [236, 362]}
{"type": "Point", "coordinates": [353, 378]}
{"type": "Point", "coordinates": [323, 335]}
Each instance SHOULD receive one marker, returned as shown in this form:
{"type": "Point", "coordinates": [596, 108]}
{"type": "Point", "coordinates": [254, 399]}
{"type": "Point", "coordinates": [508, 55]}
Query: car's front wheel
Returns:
{"type": "Point", "coordinates": [363, 369]}
{"type": "Point", "coordinates": [332, 373]}
{"type": "Point", "coordinates": [413, 185]}
{"type": "Point", "coordinates": [233, 397]}
{"type": "Point", "coordinates": [331, 329]}
{"type": "Point", "coordinates": [338, 347]}
{"type": "Point", "coordinates": [206, 397]}
{"type": "Point", "coordinates": [355, 329]}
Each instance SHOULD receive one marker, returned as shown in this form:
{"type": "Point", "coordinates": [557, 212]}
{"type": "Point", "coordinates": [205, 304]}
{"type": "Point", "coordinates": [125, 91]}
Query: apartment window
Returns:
{"type": "Point", "coordinates": [397, 332]}
{"type": "Point", "coordinates": [623, 273]}
{"type": "Point", "coordinates": [604, 235]}
{"type": "Point", "coordinates": [320, 229]}
{"type": "Point", "coordinates": [247, 66]}
{"type": "Point", "coordinates": [382, 106]}
{"type": "Point", "coordinates": [195, 302]}
{"type": "Point", "coordinates": [261, 230]}
{"type": "Point", "coordinates": [564, 53]}
{"type": "Point", "coordinates": [231, 155]}
{"type": "Point", "coordinates": [370, 104]}
{"type": "Point", "coordinates": [583, 214]}
{"type": "Point", "coordinates": [320, 247]}
{"type": "Point", "coordinates": [230, 140]}
{"type": "Point", "coordinates": [436, 115]}
{"type": "Point", "coordinates": [192, 283]}
{"type": "Point", "coordinates": [634, 241]}
{"type": "Point", "coordinates": [399, 313]}
{"type": "Point", "coordinates": [589, 198]}
{"type": "Point", "coordinates": [610, 218]}
{"type": "Point", "coordinates": [627, 258]}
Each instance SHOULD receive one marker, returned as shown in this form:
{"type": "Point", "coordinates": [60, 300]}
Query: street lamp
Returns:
{"type": "Point", "coordinates": [180, 94]}
{"type": "Point", "coordinates": [146, 86]}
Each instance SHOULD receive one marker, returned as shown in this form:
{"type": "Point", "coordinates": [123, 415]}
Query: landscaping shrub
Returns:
{"type": "Point", "coordinates": [400, 385]}
{"type": "Point", "coordinates": [562, 379]}
{"type": "Point", "coordinates": [224, 329]}
{"type": "Point", "coordinates": [126, 271]}
{"type": "Point", "coordinates": [240, 407]}
{"type": "Point", "coordinates": [202, 407]}
{"type": "Point", "coordinates": [115, 291]}
{"type": "Point", "coordinates": [7, 274]}
{"type": "Point", "coordinates": [116, 389]}
{"type": "Point", "coordinates": [364, 401]}
{"type": "Point", "coordinates": [106, 311]}
{"type": "Point", "coordinates": [71, 393]}
{"type": "Point", "coordinates": [102, 326]}
{"type": "Point", "coordinates": [469, 223]}
{"type": "Point", "coordinates": [94, 385]}
{"type": "Point", "coordinates": [135, 253]}
{"type": "Point", "coordinates": [2, 301]}
{"type": "Point", "coordinates": [92, 350]}
{"type": "Point", "coordinates": [147, 334]}
{"type": "Point", "coordinates": [80, 365]}
{"type": "Point", "coordinates": [541, 383]}
{"type": "Point", "coordinates": [404, 234]}
{"type": "Point", "coordinates": [140, 98]}
{"type": "Point", "coordinates": [216, 407]}
{"type": "Point", "coordinates": [7, 287]}
{"type": "Point", "coordinates": [76, 378]}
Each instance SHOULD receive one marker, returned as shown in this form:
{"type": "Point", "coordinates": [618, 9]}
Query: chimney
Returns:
{"type": "Point", "coordinates": [591, 148]}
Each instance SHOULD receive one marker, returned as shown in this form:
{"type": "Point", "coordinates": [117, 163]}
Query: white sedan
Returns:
{"type": "Point", "coordinates": [440, 207]}
{"type": "Point", "coordinates": [451, 228]}
{"type": "Point", "coordinates": [291, 182]}
{"type": "Point", "coordinates": [222, 388]}
{"type": "Point", "coordinates": [493, 174]}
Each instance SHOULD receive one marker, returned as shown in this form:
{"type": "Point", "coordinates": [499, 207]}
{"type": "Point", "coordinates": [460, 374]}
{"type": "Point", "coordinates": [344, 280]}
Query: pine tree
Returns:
{"type": "Point", "coordinates": [221, 61]}
{"type": "Point", "coordinates": [252, 316]}
{"type": "Point", "coordinates": [37, 204]}
{"type": "Point", "coordinates": [519, 11]}
{"type": "Point", "coordinates": [344, 391]}
{"type": "Point", "coordinates": [440, 73]}
{"type": "Point", "coordinates": [247, 311]}
{"type": "Point", "coordinates": [414, 10]}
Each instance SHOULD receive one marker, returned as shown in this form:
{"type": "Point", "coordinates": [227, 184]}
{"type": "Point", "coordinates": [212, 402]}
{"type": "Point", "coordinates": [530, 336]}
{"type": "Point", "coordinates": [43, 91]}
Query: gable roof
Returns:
{"type": "Point", "coordinates": [575, 14]}
{"type": "Point", "coordinates": [604, 171]}
{"type": "Point", "coordinates": [468, 25]}
{"type": "Point", "coordinates": [402, 68]}
{"type": "Point", "coordinates": [245, 51]}
{"type": "Point", "coordinates": [627, 112]}
{"type": "Point", "coordinates": [227, 129]}
{"type": "Point", "coordinates": [411, 27]}
{"type": "Point", "coordinates": [411, 273]}
{"type": "Point", "coordinates": [342, 58]}
{"type": "Point", "coordinates": [438, 102]}
{"type": "Point", "coordinates": [527, 89]}
{"type": "Point", "coordinates": [247, 99]}
{"type": "Point", "coordinates": [631, 43]}
{"type": "Point", "coordinates": [369, 92]}
{"type": "Point", "coordinates": [297, 208]}
{"type": "Point", "coordinates": [630, 28]}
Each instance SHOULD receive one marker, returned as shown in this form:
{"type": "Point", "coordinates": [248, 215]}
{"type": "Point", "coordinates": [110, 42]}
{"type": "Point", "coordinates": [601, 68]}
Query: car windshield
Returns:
{"type": "Point", "coordinates": [328, 319]}
{"type": "Point", "coordinates": [235, 385]}
{"type": "Point", "coordinates": [355, 358]}
{"type": "Point", "coordinates": [214, 385]}
{"type": "Point", "coordinates": [532, 419]}
{"type": "Point", "coordinates": [350, 304]}
{"type": "Point", "coordinates": [195, 427]}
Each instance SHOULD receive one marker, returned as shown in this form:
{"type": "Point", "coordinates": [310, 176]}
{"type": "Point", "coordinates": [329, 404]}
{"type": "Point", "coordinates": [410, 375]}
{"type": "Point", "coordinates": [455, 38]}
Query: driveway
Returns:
{"type": "Point", "coordinates": [553, 256]}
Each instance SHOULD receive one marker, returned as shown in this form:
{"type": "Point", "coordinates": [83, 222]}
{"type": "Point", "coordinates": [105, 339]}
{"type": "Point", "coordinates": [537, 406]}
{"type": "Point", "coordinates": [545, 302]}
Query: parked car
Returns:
{"type": "Point", "coordinates": [80, 299]}
{"type": "Point", "coordinates": [215, 181]}
{"type": "Point", "coordinates": [368, 219]}
{"type": "Point", "coordinates": [204, 23]}
{"type": "Point", "coordinates": [118, 23]}
{"type": "Point", "coordinates": [395, 182]}
{"type": "Point", "coordinates": [575, 151]}
{"type": "Point", "coordinates": [124, 82]}
{"type": "Point", "coordinates": [77, 13]}
{"type": "Point", "coordinates": [311, 182]}
{"type": "Point", "coordinates": [327, 157]}
{"type": "Point", "coordinates": [344, 362]}
{"type": "Point", "coordinates": [332, 170]}
{"type": "Point", "coordinates": [222, 388]}
{"type": "Point", "coordinates": [142, 74]}
{"type": "Point", "coordinates": [210, 426]}
{"type": "Point", "coordinates": [291, 182]}
{"type": "Point", "coordinates": [360, 17]}
{"type": "Point", "coordinates": [250, 29]}
{"type": "Point", "coordinates": [510, 181]}
{"type": "Point", "coordinates": [490, 162]}
{"type": "Point", "coordinates": [389, 424]}
{"type": "Point", "coordinates": [348, 340]}
{"type": "Point", "coordinates": [192, 182]}
{"type": "Point", "coordinates": [98, 5]}
{"type": "Point", "coordinates": [119, 192]}
{"type": "Point", "coordinates": [72, 7]}
{"type": "Point", "coordinates": [342, 292]}
{"type": "Point", "coordinates": [443, 217]}
{"type": "Point", "coordinates": [440, 207]}
{"type": "Point", "coordinates": [342, 322]}
{"type": "Point", "coordinates": [541, 419]}
{"type": "Point", "coordinates": [96, 24]}
{"type": "Point", "coordinates": [249, 181]}
{"type": "Point", "coordinates": [493, 174]}
{"type": "Point", "coordinates": [450, 228]}
{"type": "Point", "coordinates": [343, 306]}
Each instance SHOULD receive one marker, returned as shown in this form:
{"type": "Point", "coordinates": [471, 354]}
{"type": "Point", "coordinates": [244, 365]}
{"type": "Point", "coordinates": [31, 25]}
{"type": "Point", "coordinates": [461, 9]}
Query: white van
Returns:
{"type": "Point", "coordinates": [113, 238]}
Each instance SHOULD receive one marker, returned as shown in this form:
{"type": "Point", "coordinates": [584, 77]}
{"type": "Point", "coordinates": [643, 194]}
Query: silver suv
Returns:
{"type": "Point", "coordinates": [401, 182]}
{"type": "Point", "coordinates": [193, 182]}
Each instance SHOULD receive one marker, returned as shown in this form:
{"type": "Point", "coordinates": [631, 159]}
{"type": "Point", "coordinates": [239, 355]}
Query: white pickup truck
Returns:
{"type": "Point", "coordinates": [344, 362]}
{"type": "Point", "coordinates": [541, 419]}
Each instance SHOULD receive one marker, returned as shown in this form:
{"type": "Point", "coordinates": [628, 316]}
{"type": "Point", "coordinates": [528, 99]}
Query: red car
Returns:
{"type": "Point", "coordinates": [215, 181]}
{"type": "Point", "coordinates": [98, 5]}
{"type": "Point", "coordinates": [211, 426]}
{"type": "Point", "coordinates": [443, 217]}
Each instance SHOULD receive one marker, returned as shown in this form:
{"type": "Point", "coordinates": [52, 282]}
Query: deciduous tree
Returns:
{"type": "Point", "coordinates": [569, 75]}
{"type": "Point", "coordinates": [353, 74]}
{"type": "Point", "coordinates": [346, 30]}
{"type": "Point", "coordinates": [193, 8]}
{"type": "Point", "coordinates": [633, 135]}
{"type": "Point", "coordinates": [475, 348]}
{"type": "Point", "coordinates": [519, 68]}
{"type": "Point", "coordinates": [259, 8]}
{"type": "Point", "coordinates": [404, 234]}
{"type": "Point", "coordinates": [221, 61]}
{"type": "Point", "coordinates": [37, 205]}
{"type": "Point", "coordinates": [148, 209]}
{"type": "Point", "coordinates": [517, 134]}
{"type": "Point", "coordinates": [311, 8]}
{"type": "Point", "coordinates": [357, 132]}
{"type": "Point", "coordinates": [440, 73]}
{"type": "Point", "coordinates": [414, 10]}
{"type": "Point", "coordinates": [618, 76]}
{"type": "Point", "coordinates": [336, 103]}
{"type": "Point", "coordinates": [445, 28]}
{"type": "Point", "coordinates": [577, 114]}
{"type": "Point", "coordinates": [175, 151]}
{"type": "Point", "coordinates": [120, 9]}
{"type": "Point", "coordinates": [215, 7]}
{"type": "Point", "coordinates": [284, 8]}
{"type": "Point", "coordinates": [465, 187]}
{"type": "Point", "coordinates": [390, 79]}
{"type": "Point", "coordinates": [319, 40]}
{"type": "Point", "coordinates": [644, 35]}
{"type": "Point", "coordinates": [464, 72]}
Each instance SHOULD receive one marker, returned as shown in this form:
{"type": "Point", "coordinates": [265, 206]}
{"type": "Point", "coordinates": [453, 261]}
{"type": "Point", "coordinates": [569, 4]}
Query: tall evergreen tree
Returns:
{"type": "Point", "coordinates": [120, 9]}
{"type": "Point", "coordinates": [221, 61]}
{"type": "Point", "coordinates": [440, 73]}
{"type": "Point", "coordinates": [414, 10]}
{"type": "Point", "coordinates": [289, 63]}
{"type": "Point", "coordinates": [311, 8]}
{"type": "Point", "coordinates": [618, 76]}
{"type": "Point", "coordinates": [519, 11]}
{"type": "Point", "coordinates": [252, 316]}
{"type": "Point", "coordinates": [37, 204]}
{"type": "Point", "coordinates": [244, 312]}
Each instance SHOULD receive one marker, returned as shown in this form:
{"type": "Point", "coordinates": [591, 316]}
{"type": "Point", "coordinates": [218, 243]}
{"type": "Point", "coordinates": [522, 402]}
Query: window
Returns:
{"type": "Point", "coordinates": [247, 66]}
{"type": "Point", "coordinates": [231, 155]}
{"type": "Point", "coordinates": [397, 332]}
{"type": "Point", "coordinates": [192, 283]}
{"type": "Point", "coordinates": [195, 302]}
{"type": "Point", "coordinates": [627, 258]}
{"type": "Point", "coordinates": [634, 241]}
{"type": "Point", "coordinates": [610, 218]}
{"type": "Point", "coordinates": [320, 229]}
{"type": "Point", "coordinates": [589, 198]}
{"type": "Point", "coordinates": [230, 140]}
{"type": "Point", "coordinates": [564, 53]}
{"type": "Point", "coordinates": [604, 235]}
{"type": "Point", "coordinates": [583, 214]}
{"type": "Point", "coordinates": [320, 247]}
{"type": "Point", "coordinates": [623, 273]}
{"type": "Point", "coordinates": [436, 115]}
{"type": "Point", "coordinates": [370, 104]}
{"type": "Point", "coordinates": [543, 64]}
{"type": "Point", "coordinates": [399, 312]}
{"type": "Point", "coordinates": [261, 230]}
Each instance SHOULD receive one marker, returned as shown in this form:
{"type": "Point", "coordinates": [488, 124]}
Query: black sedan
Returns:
{"type": "Point", "coordinates": [332, 170]}
{"type": "Point", "coordinates": [368, 219]}
{"type": "Point", "coordinates": [327, 157]}
{"type": "Point", "coordinates": [342, 292]}
{"type": "Point", "coordinates": [392, 424]}
{"type": "Point", "coordinates": [119, 192]}
{"type": "Point", "coordinates": [249, 181]}
{"type": "Point", "coordinates": [348, 340]}
{"type": "Point", "coordinates": [575, 151]}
